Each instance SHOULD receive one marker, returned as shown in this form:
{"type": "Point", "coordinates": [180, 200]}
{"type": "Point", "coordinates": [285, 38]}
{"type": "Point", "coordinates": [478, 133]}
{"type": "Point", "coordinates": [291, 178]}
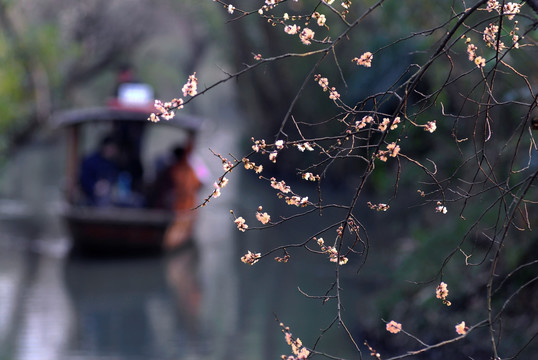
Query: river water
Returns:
{"type": "Point", "coordinates": [199, 303]}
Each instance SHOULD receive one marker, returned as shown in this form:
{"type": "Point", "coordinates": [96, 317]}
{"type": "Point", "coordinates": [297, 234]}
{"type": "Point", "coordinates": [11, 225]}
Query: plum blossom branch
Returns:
{"type": "Point", "coordinates": [474, 51]}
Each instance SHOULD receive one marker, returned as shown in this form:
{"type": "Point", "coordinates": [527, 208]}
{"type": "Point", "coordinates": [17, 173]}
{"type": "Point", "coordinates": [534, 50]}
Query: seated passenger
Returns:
{"type": "Point", "coordinates": [99, 173]}
{"type": "Point", "coordinates": [177, 184]}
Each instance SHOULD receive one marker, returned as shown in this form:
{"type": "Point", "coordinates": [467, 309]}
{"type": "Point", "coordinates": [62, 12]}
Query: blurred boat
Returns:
{"type": "Point", "coordinates": [128, 226]}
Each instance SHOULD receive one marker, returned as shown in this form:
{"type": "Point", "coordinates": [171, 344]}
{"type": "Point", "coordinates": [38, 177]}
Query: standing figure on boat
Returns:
{"type": "Point", "coordinates": [99, 173]}
{"type": "Point", "coordinates": [176, 187]}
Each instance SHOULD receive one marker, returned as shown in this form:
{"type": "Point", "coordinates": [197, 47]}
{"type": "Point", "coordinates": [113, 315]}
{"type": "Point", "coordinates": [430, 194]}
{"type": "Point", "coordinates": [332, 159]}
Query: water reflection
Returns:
{"type": "Point", "coordinates": [86, 308]}
{"type": "Point", "coordinates": [135, 308]}
{"type": "Point", "coordinates": [35, 312]}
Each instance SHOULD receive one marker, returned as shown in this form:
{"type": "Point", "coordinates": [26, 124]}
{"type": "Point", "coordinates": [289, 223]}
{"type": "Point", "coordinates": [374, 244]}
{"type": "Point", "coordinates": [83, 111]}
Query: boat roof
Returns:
{"type": "Point", "coordinates": [120, 113]}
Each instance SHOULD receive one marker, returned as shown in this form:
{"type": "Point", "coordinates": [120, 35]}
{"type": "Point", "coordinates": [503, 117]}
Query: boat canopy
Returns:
{"type": "Point", "coordinates": [120, 113]}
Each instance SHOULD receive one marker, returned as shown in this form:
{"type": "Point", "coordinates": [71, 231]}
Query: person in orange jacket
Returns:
{"type": "Point", "coordinates": [185, 185]}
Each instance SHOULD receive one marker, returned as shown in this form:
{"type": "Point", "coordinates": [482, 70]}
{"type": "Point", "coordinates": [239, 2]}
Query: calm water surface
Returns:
{"type": "Point", "coordinates": [200, 303]}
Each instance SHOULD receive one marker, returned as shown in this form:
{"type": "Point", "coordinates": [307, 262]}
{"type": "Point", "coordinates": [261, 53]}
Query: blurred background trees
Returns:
{"type": "Point", "coordinates": [58, 54]}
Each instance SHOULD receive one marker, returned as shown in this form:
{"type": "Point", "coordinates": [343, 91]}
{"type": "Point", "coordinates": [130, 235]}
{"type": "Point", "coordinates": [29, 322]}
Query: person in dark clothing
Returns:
{"type": "Point", "coordinates": [99, 173]}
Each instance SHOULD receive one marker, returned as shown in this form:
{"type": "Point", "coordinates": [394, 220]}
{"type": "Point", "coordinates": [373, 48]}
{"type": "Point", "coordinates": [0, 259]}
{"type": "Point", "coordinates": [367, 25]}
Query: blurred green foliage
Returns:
{"type": "Point", "coordinates": [12, 94]}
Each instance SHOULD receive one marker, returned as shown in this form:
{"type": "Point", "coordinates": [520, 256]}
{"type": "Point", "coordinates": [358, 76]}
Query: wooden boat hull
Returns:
{"type": "Point", "coordinates": [120, 229]}
{"type": "Point", "coordinates": [123, 230]}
